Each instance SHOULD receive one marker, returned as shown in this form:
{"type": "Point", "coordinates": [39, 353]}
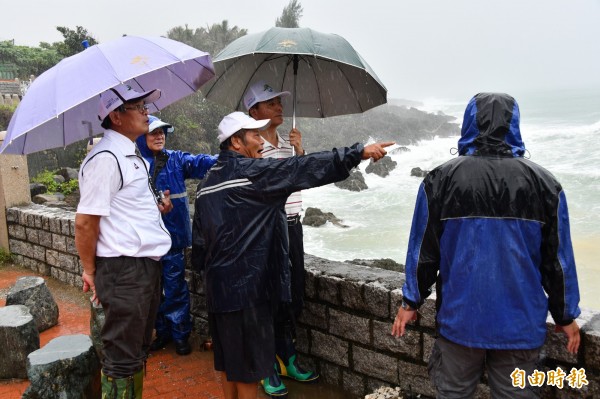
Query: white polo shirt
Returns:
{"type": "Point", "coordinates": [293, 205]}
{"type": "Point", "coordinates": [130, 222]}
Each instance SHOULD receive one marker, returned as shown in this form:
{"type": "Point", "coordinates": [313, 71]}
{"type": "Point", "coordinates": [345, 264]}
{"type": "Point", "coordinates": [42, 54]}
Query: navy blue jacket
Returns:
{"type": "Point", "coordinates": [240, 214]}
{"type": "Point", "coordinates": [169, 169]}
{"type": "Point", "coordinates": [491, 229]}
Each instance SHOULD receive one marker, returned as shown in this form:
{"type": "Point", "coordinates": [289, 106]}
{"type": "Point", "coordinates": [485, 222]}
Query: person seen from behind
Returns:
{"type": "Point", "coordinates": [491, 230]}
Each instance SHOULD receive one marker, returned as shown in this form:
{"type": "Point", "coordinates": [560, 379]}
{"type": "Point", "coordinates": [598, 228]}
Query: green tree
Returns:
{"type": "Point", "coordinates": [71, 44]}
{"type": "Point", "coordinates": [196, 119]}
{"type": "Point", "coordinates": [212, 39]}
{"type": "Point", "coordinates": [28, 60]}
{"type": "Point", "coordinates": [6, 112]}
{"type": "Point", "coordinates": [290, 17]}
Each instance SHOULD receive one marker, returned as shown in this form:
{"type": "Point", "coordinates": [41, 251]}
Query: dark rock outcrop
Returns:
{"type": "Point", "coordinates": [354, 182]}
{"type": "Point", "coordinates": [67, 367]}
{"type": "Point", "coordinates": [383, 167]}
{"type": "Point", "coordinates": [37, 188]}
{"type": "Point", "coordinates": [398, 150]}
{"type": "Point", "coordinates": [418, 172]}
{"type": "Point", "coordinates": [32, 291]}
{"type": "Point", "coordinates": [19, 337]}
{"type": "Point", "coordinates": [315, 217]}
{"type": "Point", "coordinates": [383, 263]}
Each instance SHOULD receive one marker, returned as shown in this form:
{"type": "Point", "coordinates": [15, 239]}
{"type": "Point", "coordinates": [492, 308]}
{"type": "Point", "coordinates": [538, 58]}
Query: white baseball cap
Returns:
{"type": "Point", "coordinates": [113, 98]}
{"type": "Point", "coordinates": [155, 123]}
{"type": "Point", "coordinates": [259, 92]}
{"type": "Point", "coordinates": [236, 121]}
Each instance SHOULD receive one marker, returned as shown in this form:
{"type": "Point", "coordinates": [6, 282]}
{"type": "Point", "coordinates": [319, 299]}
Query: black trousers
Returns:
{"type": "Point", "coordinates": [129, 291]}
{"type": "Point", "coordinates": [297, 266]}
{"type": "Point", "coordinates": [286, 315]}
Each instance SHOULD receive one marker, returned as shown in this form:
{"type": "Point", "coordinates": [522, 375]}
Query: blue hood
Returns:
{"type": "Point", "coordinates": [143, 147]}
{"type": "Point", "coordinates": [491, 127]}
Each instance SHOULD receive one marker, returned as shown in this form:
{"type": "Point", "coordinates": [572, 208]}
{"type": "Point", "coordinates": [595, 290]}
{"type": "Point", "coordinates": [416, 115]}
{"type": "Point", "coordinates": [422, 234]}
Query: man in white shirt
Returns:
{"type": "Point", "coordinates": [262, 102]}
{"type": "Point", "coordinates": [120, 237]}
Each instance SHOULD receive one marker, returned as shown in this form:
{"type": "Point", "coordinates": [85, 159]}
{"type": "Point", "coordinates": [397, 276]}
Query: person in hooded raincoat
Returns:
{"type": "Point", "coordinates": [240, 214]}
{"type": "Point", "coordinates": [168, 170]}
{"type": "Point", "coordinates": [491, 230]}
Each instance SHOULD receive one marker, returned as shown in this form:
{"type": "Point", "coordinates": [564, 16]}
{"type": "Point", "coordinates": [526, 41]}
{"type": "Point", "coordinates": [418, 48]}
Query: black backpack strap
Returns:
{"type": "Point", "coordinates": [116, 159]}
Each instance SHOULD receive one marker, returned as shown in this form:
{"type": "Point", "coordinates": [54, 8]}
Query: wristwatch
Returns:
{"type": "Point", "coordinates": [406, 306]}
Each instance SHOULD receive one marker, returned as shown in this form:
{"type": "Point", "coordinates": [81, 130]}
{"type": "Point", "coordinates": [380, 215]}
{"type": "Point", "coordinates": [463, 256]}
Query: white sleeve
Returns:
{"type": "Point", "coordinates": [99, 180]}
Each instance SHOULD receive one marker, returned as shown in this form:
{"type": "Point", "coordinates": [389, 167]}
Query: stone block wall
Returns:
{"type": "Point", "coordinates": [43, 239]}
{"type": "Point", "coordinates": [344, 331]}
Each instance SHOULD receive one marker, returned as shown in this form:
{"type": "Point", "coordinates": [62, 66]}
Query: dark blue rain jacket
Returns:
{"type": "Point", "coordinates": [240, 214]}
{"type": "Point", "coordinates": [491, 229]}
{"type": "Point", "coordinates": [168, 170]}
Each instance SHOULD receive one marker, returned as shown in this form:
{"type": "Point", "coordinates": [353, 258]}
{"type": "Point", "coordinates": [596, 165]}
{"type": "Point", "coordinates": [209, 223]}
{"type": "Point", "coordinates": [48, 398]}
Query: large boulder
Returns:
{"type": "Point", "coordinates": [418, 172]}
{"type": "Point", "coordinates": [383, 167]}
{"type": "Point", "coordinates": [354, 182]}
{"type": "Point", "coordinates": [37, 188]}
{"type": "Point", "coordinates": [18, 338]}
{"type": "Point", "coordinates": [68, 173]}
{"type": "Point", "coordinates": [315, 217]}
{"type": "Point", "coordinates": [67, 367]}
{"type": "Point", "coordinates": [32, 291]}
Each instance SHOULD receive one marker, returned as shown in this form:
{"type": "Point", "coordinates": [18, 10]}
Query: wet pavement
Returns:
{"type": "Point", "coordinates": [169, 375]}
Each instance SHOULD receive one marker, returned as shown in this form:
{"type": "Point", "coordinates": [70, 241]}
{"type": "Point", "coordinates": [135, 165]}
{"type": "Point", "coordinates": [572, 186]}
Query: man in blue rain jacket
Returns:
{"type": "Point", "coordinates": [491, 230]}
{"type": "Point", "coordinates": [168, 170]}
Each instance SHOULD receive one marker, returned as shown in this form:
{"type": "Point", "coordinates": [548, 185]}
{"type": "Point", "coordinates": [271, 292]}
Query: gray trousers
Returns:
{"type": "Point", "coordinates": [456, 370]}
{"type": "Point", "coordinates": [129, 291]}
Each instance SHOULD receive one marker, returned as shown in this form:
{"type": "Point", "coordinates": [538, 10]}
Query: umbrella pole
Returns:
{"type": "Point", "coordinates": [295, 77]}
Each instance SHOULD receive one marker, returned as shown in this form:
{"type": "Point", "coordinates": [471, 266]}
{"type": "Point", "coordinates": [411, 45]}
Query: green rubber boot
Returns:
{"type": "Point", "coordinates": [273, 385]}
{"type": "Point", "coordinates": [292, 369]}
{"type": "Point", "coordinates": [122, 388]}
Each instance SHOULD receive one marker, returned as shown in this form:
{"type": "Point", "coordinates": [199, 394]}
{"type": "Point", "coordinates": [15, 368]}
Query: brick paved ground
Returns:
{"type": "Point", "coordinates": [169, 376]}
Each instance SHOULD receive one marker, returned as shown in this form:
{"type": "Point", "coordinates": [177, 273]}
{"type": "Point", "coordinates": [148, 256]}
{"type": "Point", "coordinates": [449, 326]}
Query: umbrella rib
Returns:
{"type": "Point", "coordinates": [353, 91]}
{"type": "Point", "coordinates": [305, 59]}
{"type": "Point", "coordinates": [168, 68]}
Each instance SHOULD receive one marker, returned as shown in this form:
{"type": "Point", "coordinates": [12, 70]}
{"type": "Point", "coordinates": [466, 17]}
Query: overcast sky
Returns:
{"type": "Point", "coordinates": [419, 49]}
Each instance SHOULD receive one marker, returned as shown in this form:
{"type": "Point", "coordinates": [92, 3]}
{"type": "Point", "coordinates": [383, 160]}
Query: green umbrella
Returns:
{"type": "Point", "coordinates": [324, 73]}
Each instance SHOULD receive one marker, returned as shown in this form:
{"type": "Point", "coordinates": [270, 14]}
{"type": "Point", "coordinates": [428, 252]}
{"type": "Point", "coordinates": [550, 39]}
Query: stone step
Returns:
{"type": "Point", "coordinates": [32, 291]}
{"type": "Point", "coordinates": [19, 337]}
{"type": "Point", "coordinates": [67, 367]}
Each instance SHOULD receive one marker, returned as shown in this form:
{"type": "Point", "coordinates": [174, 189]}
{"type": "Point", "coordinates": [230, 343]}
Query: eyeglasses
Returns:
{"type": "Point", "coordinates": [141, 108]}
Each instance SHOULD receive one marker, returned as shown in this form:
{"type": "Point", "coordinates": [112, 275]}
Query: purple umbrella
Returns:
{"type": "Point", "coordinates": [61, 105]}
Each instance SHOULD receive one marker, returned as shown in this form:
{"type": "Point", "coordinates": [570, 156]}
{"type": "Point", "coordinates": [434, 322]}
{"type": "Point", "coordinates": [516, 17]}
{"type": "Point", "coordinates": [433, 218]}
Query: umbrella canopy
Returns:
{"type": "Point", "coordinates": [330, 76]}
{"type": "Point", "coordinates": [61, 105]}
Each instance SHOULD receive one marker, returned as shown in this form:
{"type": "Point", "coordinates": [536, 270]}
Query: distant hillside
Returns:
{"type": "Point", "coordinates": [400, 123]}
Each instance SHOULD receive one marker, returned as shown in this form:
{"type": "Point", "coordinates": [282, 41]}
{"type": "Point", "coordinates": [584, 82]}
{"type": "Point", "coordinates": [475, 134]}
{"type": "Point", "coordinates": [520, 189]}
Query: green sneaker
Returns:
{"type": "Point", "coordinates": [293, 370]}
{"type": "Point", "coordinates": [274, 387]}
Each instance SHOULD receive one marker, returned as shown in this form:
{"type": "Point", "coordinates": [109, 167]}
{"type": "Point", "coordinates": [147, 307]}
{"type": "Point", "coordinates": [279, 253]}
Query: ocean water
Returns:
{"type": "Point", "coordinates": [561, 132]}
